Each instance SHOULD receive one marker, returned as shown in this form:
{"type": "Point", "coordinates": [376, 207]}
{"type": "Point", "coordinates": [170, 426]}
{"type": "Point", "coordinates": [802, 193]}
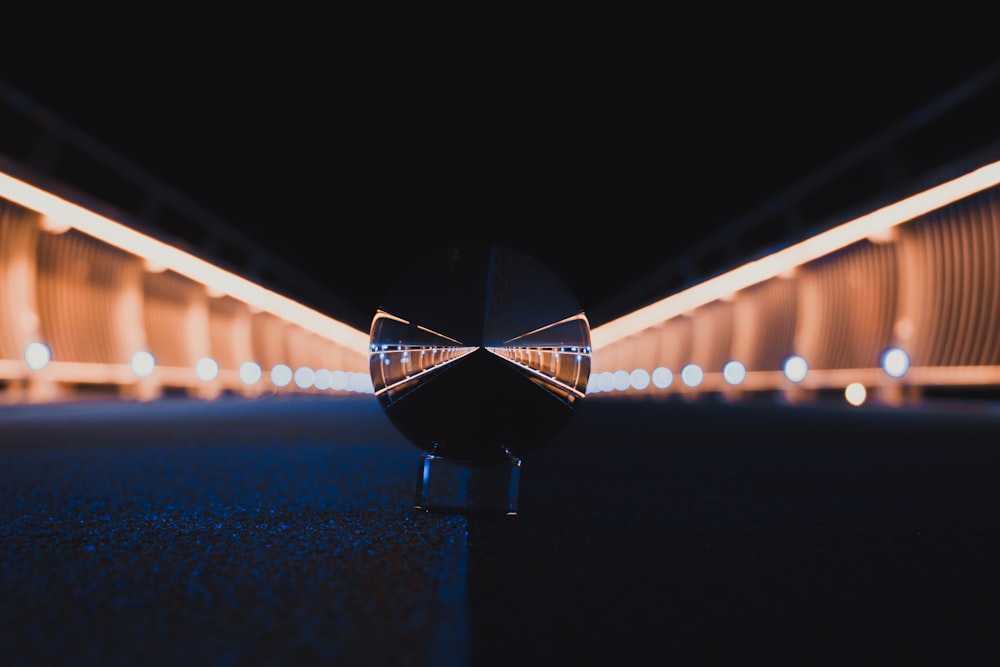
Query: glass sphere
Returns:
{"type": "Point", "coordinates": [481, 353]}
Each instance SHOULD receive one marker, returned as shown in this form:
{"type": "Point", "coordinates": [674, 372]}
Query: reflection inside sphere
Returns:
{"type": "Point", "coordinates": [480, 354]}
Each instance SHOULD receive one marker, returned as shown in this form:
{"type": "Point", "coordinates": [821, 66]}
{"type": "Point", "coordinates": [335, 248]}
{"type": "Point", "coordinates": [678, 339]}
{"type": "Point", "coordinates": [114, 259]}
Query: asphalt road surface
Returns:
{"type": "Point", "coordinates": [281, 531]}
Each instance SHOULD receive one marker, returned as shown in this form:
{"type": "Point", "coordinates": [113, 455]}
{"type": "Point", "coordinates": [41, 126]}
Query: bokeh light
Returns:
{"type": "Point", "coordinates": [37, 355]}
{"type": "Point", "coordinates": [250, 372]}
{"type": "Point", "coordinates": [338, 380]}
{"type": "Point", "coordinates": [639, 378]}
{"type": "Point", "coordinates": [734, 372]}
{"type": "Point", "coordinates": [606, 381]}
{"type": "Point", "coordinates": [895, 362]}
{"type": "Point", "coordinates": [855, 393]}
{"type": "Point", "coordinates": [622, 380]}
{"type": "Point", "coordinates": [360, 383]}
{"type": "Point", "coordinates": [796, 368]}
{"type": "Point", "coordinates": [322, 379]}
{"type": "Point", "coordinates": [692, 375]}
{"type": "Point", "coordinates": [304, 377]}
{"type": "Point", "coordinates": [207, 369]}
{"type": "Point", "coordinates": [662, 377]}
{"type": "Point", "coordinates": [281, 375]}
{"type": "Point", "coordinates": [143, 363]}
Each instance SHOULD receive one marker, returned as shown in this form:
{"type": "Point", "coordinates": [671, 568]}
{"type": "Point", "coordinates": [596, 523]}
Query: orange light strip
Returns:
{"type": "Point", "coordinates": [952, 375]}
{"type": "Point", "coordinates": [837, 378]}
{"type": "Point", "coordinates": [876, 224]}
{"type": "Point", "coordinates": [62, 214]}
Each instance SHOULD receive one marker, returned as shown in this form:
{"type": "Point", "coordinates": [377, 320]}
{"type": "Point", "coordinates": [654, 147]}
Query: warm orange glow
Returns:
{"type": "Point", "coordinates": [877, 224]}
{"type": "Point", "coordinates": [838, 378]}
{"type": "Point", "coordinates": [60, 214]}
{"type": "Point", "coordinates": [953, 375]}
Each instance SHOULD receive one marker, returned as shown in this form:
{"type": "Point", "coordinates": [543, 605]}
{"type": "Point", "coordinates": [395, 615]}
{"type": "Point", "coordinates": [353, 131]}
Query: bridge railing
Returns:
{"type": "Point", "coordinates": [897, 302]}
{"type": "Point", "coordinates": [88, 304]}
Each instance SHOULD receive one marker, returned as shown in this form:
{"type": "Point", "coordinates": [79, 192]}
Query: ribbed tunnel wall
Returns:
{"type": "Point", "coordinates": [932, 288]}
{"type": "Point", "coordinates": [95, 306]}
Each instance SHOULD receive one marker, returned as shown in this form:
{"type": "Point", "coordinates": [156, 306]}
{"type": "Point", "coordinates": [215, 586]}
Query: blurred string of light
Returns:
{"type": "Point", "coordinates": [893, 363]}
{"type": "Point", "coordinates": [37, 356]}
{"type": "Point", "coordinates": [59, 215]}
{"type": "Point", "coordinates": [795, 369]}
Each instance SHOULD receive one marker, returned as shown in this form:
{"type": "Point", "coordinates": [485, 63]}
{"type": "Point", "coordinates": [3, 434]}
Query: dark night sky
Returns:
{"type": "Point", "coordinates": [601, 161]}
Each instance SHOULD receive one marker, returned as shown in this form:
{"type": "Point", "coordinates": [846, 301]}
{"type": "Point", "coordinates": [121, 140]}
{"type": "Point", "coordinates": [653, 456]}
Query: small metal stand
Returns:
{"type": "Point", "coordinates": [453, 486]}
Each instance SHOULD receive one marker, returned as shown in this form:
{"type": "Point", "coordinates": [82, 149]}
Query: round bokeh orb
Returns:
{"type": "Point", "coordinates": [481, 353]}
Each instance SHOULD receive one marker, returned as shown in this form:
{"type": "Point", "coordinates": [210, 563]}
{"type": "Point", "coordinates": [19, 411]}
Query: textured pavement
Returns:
{"type": "Point", "coordinates": [281, 531]}
{"type": "Point", "coordinates": [269, 533]}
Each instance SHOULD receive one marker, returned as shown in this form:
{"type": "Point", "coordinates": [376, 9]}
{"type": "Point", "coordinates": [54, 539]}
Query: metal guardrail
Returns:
{"type": "Point", "coordinates": [89, 305]}
{"type": "Point", "coordinates": [923, 289]}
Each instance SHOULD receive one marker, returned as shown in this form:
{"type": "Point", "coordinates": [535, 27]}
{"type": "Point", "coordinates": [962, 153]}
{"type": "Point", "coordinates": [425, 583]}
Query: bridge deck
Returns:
{"type": "Point", "coordinates": [280, 531]}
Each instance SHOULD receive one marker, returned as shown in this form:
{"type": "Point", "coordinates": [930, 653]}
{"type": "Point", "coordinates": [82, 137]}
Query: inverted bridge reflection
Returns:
{"type": "Point", "coordinates": [397, 367]}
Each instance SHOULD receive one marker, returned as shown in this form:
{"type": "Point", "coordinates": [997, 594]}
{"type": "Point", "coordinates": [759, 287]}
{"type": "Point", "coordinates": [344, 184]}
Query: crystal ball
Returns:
{"type": "Point", "coordinates": [480, 353]}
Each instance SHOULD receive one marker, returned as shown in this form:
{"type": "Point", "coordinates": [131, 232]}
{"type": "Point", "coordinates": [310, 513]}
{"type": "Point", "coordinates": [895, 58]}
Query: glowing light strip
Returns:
{"type": "Point", "coordinates": [98, 373]}
{"type": "Point", "coordinates": [381, 314]}
{"type": "Point", "coordinates": [82, 372]}
{"type": "Point", "coordinates": [875, 224]}
{"type": "Point", "coordinates": [571, 318]}
{"type": "Point", "coordinates": [438, 334]}
{"type": "Point", "coordinates": [952, 375]}
{"type": "Point", "coordinates": [64, 213]}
